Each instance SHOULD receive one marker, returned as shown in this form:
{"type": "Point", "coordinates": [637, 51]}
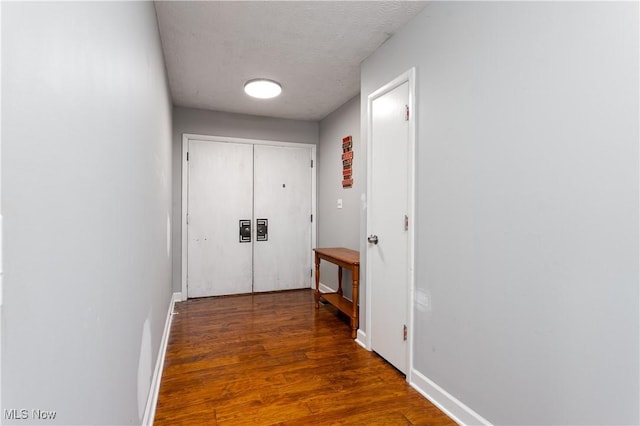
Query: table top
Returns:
{"type": "Point", "coordinates": [344, 254]}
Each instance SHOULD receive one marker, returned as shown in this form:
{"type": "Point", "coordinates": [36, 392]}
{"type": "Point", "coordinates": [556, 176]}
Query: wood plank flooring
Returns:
{"type": "Point", "coordinates": [269, 359]}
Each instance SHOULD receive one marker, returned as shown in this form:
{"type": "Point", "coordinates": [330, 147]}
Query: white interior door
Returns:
{"type": "Point", "coordinates": [219, 196]}
{"type": "Point", "coordinates": [282, 188]}
{"type": "Point", "coordinates": [388, 260]}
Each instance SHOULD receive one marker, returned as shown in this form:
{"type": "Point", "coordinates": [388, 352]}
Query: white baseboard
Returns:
{"type": "Point", "coordinates": [446, 402]}
{"type": "Point", "coordinates": [361, 338]}
{"type": "Point", "coordinates": [327, 289]}
{"type": "Point", "coordinates": [152, 400]}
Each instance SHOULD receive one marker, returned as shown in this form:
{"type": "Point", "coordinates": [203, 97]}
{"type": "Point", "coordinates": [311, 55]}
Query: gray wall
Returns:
{"type": "Point", "coordinates": [339, 227]}
{"type": "Point", "coordinates": [527, 205]}
{"type": "Point", "coordinates": [212, 123]}
{"type": "Point", "coordinates": [86, 193]}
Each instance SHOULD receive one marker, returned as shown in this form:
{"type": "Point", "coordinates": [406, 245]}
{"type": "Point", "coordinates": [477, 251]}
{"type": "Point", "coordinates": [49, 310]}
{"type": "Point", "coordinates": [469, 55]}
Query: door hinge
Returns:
{"type": "Point", "coordinates": [312, 164]}
{"type": "Point", "coordinates": [187, 218]}
{"type": "Point", "coordinates": [406, 222]}
{"type": "Point", "coordinates": [406, 116]}
{"type": "Point", "coordinates": [187, 155]}
{"type": "Point", "coordinates": [404, 333]}
{"type": "Point", "coordinates": [311, 218]}
{"type": "Point", "coordinates": [311, 274]}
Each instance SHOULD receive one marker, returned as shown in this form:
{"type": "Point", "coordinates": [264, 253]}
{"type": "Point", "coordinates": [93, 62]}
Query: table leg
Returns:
{"type": "Point", "coordinates": [316, 294]}
{"type": "Point", "coordinates": [340, 280]}
{"type": "Point", "coordinates": [354, 317]}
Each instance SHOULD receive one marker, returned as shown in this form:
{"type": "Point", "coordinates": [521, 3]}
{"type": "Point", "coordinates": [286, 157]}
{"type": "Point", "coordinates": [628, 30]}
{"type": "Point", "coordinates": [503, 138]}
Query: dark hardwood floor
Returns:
{"type": "Point", "coordinates": [272, 359]}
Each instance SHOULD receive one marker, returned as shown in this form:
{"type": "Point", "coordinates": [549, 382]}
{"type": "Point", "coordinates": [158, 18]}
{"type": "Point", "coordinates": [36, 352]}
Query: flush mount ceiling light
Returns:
{"type": "Point", "coordinates": [262, 88]}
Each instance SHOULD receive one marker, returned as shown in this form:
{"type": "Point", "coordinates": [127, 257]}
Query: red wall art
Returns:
{"type": "Point", "coordinates": [347, 162]}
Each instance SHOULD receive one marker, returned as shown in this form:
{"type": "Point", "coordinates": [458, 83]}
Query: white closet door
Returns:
{"type": "Point", "coordinates": [388, 208]}
{"type": "Point", "coordinates": [282, 196]}
{"type": "Point", "coordinates": [219, 196]}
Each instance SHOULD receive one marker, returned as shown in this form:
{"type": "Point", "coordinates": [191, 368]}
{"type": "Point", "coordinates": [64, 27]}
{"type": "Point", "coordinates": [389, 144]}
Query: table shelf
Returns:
{"type": "Point", "coordinates": [343, 305]}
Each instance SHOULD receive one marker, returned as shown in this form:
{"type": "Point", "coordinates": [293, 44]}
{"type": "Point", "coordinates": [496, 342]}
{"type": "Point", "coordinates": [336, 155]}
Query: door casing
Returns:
{"type": "Point", "coordinates": [408, 76]}
{"type": "Point", "coordinates": [186, 137]}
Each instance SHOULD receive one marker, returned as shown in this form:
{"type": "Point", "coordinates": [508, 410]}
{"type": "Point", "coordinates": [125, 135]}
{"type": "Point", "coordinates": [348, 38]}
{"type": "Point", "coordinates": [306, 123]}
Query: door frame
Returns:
{"type": "Point", "coordinates": [407, 76]}
{"type": "Point", "coordinates": [186, 137]}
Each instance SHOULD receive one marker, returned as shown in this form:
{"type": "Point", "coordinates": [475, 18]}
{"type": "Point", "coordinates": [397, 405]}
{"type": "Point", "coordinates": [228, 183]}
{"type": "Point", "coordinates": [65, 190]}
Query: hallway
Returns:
{"type": "Point", "coordinates": [524, 248]}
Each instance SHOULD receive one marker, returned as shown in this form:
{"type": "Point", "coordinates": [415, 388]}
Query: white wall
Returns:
{"type": "Point", "coordinates": [527, 205]}
{"type": "Point", "coordinates": [1, 227]}
{"type": "Point", "coordinates": [212, 123]}
{"type": "Point", "coordinates": [339, 227]}
{"type": "Point", "coordinates": [86, 193]}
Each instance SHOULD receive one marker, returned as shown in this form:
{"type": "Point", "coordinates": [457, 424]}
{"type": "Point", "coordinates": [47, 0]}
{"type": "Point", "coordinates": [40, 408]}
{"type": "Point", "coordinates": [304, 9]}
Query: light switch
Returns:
{"type": "Point", "coordinates": [339, 203]}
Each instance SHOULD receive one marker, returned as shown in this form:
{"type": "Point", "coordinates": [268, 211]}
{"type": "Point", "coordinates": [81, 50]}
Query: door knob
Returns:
{"type": "Point", "coordinates": [373, 239]}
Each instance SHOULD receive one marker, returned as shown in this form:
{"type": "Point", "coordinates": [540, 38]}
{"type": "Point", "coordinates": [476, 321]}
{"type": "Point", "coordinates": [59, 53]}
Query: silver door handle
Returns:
{"type": "Point", "coordinates": [373, 239]}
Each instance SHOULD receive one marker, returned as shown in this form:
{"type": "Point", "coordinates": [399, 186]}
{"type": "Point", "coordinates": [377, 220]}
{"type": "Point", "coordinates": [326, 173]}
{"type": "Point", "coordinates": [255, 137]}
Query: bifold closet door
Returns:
{"type": "Point", "coordinates": [219, 197]}
{"type": "Point", "coordinates": [282, 204]}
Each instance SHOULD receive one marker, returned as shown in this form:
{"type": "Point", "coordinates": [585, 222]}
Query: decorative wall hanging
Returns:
{"type": "Point", "coordinates": [347, 162]}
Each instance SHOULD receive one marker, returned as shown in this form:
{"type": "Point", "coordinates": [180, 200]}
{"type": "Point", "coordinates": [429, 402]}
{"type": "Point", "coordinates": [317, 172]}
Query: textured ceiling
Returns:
{"type": "Point", "coordinates": [314, 48]}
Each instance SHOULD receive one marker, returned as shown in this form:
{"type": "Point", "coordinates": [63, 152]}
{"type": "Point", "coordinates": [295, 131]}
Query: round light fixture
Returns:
{"type": "Point", "coordinates": [262, 88]}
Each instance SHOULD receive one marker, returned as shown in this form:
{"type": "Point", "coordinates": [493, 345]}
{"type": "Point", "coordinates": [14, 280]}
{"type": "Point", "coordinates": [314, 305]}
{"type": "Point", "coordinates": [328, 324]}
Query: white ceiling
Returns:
{"type": "Point", "coordinates": [313, 48]}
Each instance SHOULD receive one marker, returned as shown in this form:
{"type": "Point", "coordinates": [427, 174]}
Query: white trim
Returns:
{"type": "Point", "coordinates": [326, 289]}
{"type": "Point", "coordinates": [446, 402]}
{"type": "Point", "coordinates": [412, 214]}
{"type": "Point", "coordinates": [186, 137]}
{"type": "Point", "coordinates": [183, 223]}
{"type": "Point", "coordinates": [152, 399]}
{"type": "Point", "coordinates": [410, 77]}
{"type": "Point", "coordinates": [191, 136]}
{"type": "Point", "coordinates": [314, 212]}
{"type": "Point", "coordinates": [361, 339]}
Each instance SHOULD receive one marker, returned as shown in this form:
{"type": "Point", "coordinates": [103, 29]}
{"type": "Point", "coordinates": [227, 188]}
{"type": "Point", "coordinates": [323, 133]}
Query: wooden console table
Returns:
{"type": "Point", "coordinates": [344, 258]}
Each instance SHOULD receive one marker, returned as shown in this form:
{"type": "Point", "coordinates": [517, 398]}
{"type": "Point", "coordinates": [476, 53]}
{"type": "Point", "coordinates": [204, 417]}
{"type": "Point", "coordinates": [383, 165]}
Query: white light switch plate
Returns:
{"type": "Point", "coordinates": [339, 203]}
